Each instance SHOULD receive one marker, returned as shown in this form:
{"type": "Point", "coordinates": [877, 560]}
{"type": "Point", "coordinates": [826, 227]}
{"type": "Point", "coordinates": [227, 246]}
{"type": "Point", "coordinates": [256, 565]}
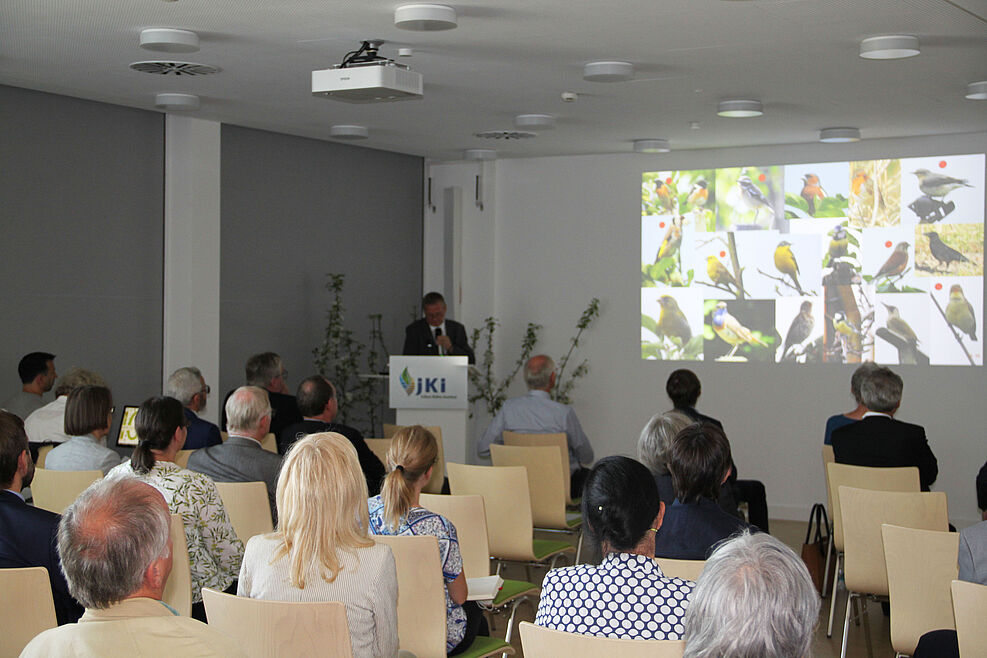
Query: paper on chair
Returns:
{"type": "Point", "coordinates": [483, 589]}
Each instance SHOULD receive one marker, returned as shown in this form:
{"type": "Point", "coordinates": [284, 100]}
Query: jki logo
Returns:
{"type": "Point", "coordinates": [431, 385]}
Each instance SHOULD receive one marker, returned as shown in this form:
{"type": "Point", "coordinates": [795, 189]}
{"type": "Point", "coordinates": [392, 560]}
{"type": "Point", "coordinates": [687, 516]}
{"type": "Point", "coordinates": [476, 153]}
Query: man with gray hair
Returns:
{"type": "Point", "coordinates": [267, 371]}
{"type": "Point", "coordinates": [115, 551]}
{"type": "Point", "coordinates": [241, 458]}
{"type": "Point", "coordinates": [754, 598]}
{"type": "Point", "coordinates": [878, 439]}
{"type": "Point", "coordinates": [188, 386]}
{"type": "Point", "coordinates": [538, 413]}
{"type": "Point", "coordinates": [47, 424]}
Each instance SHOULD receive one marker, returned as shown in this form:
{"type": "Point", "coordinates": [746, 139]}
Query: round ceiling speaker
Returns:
{"type": "Point", "coordinates": [349, 132]}
{"type": "Point", "coordinates": [169, 40]}
{"type": "Point", "coordinates": [176, 102]}
{"type": "Point", "coordinates": [425, 17]}
{"type": "Point", "coordinates": [608, 71]}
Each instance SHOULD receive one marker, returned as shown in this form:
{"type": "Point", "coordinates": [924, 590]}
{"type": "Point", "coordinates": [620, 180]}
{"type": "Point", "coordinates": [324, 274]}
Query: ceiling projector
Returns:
{"type": "Point", "coordinates": [365, 77]}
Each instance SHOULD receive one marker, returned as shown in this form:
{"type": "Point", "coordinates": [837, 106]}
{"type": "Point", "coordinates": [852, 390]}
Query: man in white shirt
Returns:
{"type": "Point", "coordinates": [37, 373]}
{"type": "Point", "coordinates": [47, 424]}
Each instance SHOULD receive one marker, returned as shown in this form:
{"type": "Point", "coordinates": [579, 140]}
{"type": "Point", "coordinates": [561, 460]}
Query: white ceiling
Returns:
{"type": "Point", "coordinates": [507, 57]}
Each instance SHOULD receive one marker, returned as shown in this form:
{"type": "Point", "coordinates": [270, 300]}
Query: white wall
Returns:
{"type": "Point", "coordinates": [568, 229]}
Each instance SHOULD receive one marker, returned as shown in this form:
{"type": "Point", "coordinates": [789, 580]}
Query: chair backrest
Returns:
{"type": "Point", "coordinates": [688, 569]}
{"type": "Point", "coordinates": [56, 490]}
{"type": "Point", "coordinates": [379, 448]}
{"type": "Point", "coordinates": [507, 504]}
{"type": "Point", "coordinates": [42, 455]}
{"type": "Point", "coordinates": [827, 458]}
{"type": "Point", "coordinates": [421, 598]}
{"type": "Point", "coordinates": [546, 484]}
{"type": "Point", "coordinates": [181, 458]}
{"type": "Point", "coordinates": [266, 629]}
{"type": "Point", "coordinates": [904, 478]}
{"type": "Point", "coordinates": [248, 507]}
{"type": "Point", "coordinates": [970, 611]}
{"type": "Point", "coordinates": [921, 566]}
{"type": "Point", "coordinates": [541, 642]}
{"type": "Point", "coordinates": [470, 519]}
{"type": "Point", "coordinates": [558, 440]}
{"type": "Point", "coordinates": [434, 485]}
{"type": "Point", "coordinates": [29, 612]}
{"type": "Point", "coordinates": [269, 443]}
{"type": "Point", "coordinates": [863, 511]}
{"type": "Point", "coordinates": [224, 435]}
{"type": "Point", "coordinates": [178, 589]}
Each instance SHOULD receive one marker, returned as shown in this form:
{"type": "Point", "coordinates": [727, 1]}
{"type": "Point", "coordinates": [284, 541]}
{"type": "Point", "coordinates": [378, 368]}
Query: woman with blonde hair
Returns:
{"type": "Point", "coordinates": [397, 511]}
{"type": "Point", "coordinates": [321, 551]}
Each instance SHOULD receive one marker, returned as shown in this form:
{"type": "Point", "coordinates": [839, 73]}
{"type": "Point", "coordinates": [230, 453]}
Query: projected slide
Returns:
{"type": "Point", "coordinates": [832, 262]}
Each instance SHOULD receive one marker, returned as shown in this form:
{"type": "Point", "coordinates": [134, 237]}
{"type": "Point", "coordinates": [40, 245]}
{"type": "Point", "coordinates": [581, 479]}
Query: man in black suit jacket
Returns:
{"type": "Point", "coordinates": [880, 440]}
{"type": "Point", "coordinates": [434, 335]}
{"type": "Point", "coordinates": [267, 371]}
{"type": "Point", "coordinates": [319, 406]}
{"type": "Point", "coordinates": [28, 534]}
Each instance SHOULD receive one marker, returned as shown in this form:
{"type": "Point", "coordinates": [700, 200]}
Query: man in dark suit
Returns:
{"type": "Point", "coordinates": [878, 439]}
{"type": "Point", "coordinates": [241, 458]}
{"type": "Point", "coordinates": [188, 386]}
{"type": "Point", "coordinates": [28, 534]}
{"type": "Point", "coordinates": [267, 371]}
{"type": "Point", "coordinates": [434, 335]}
{"type": "Point", "coordinates": [318, 403]}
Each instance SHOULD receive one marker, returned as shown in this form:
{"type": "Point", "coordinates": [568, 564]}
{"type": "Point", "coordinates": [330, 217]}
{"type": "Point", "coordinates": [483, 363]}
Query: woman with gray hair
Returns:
{"type": "Point", "coordinates": [833, 423]}
{"type": "Point", "coordinates": [754, 599]}
{"type": "Point", "coordinates": [652, 448]}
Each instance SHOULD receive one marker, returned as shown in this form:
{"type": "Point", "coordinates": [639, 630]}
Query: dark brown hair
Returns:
{"type": "Point", "coordinates": [87, 410]}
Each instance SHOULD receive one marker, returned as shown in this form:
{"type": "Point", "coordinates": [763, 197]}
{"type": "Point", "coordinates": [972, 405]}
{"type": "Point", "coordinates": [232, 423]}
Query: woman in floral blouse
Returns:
{"type": "Point", "coordinates": [214, 550]}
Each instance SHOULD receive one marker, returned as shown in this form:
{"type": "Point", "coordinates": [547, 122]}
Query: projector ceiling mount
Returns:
{"type": "Point", "coordinates": [367, 53]}
{"type": "Point", "coordinates": [364, 76]}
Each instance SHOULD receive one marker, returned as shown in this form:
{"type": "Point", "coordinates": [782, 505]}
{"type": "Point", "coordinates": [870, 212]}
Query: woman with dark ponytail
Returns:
{"type": "Point", "coordinates": [626, 595]}
{"type": "Point", "coordinates": [397, 511]}
{"type": "Point", "coordinates": [214, 550]}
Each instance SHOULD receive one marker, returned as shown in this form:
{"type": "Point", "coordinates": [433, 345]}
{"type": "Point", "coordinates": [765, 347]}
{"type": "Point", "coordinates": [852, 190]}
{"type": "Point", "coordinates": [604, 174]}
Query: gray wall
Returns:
{"type": "Point", "coordinates": [81, 199]}
{"type": "Point", "coordinates": [294, 209]}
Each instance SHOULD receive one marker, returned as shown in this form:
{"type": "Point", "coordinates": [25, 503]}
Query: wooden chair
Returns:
{"type": "Point", "coordinates": [269, 443]}
{"type": "Point", "coordinates": [970, 611]}
{"type": "Point", "coordinates": [547, 484]}
{"type": "Point", "coordinates": [56, 490]}
{"type": "Point", "coordinates": [862, 512]}
{"type": "Point", "coordinates": [421, 603]}
{"type": "Point", "coordinates": [178, 589]}
{"type": "Point", "coordinates": [557, 440]}
{"type": "Point", "coordinates": [181, 458]}
{"type": "Point", "coordinates": [921, 565]}
{"type": "Point", "coordinates": [248, 507]}
{"type": "Point", "coordinates": [43, 454]}
{"type": "Point", "coordinates": [541, 642]}
{"type": "Point", "coordinates": [267, 629]}
{"type": "Point", "coordinates": [508, 510]}
{"type": "Point", "coordinates": [828, 458]}
{"type": "Point", "coordinates": [434, 485]}
{"type": "Point", "coordinates": [379, 448]}
{"type": "Point", "coordinates": [28, 612]}
{"type": "Point", "coordinates": [469, 516]}
{"type": "Point", "coordinates": [688, 569]}
{"type": "Point", "coordinates": [862, 477]}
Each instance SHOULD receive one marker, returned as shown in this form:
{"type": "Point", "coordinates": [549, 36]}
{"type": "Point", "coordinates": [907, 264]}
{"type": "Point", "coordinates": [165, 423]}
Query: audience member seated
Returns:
{"type": "Point", "coordinates": [982, 491]}
{"type": "Point", "coordinates": [188, 386]}
{"type": "Point", "coordinates": [683, 389]}
{"type": "Point", "coordinates": [116, 552]}
{"type": "Point", "coordinates": [754, 598]}
{"type": "Point", "coordinates": [321, 551]}
{"type": "Point", "coordinates": [652, 448]}
{"type": "Point", "coordinates": [47, 424]}
{"type": "Point", "coordinates": [267, 371]}
{"type": "Point", "coordinates": [538, 413]}
{"type": "Point", "coordinates": [878, 439]}
{"type": "Point", "coordinates": [214, 549]}
{"type": "Point", "coordinates": [37, 373]}
{"type": "Point", "coordinates": [319, 405]}
{"type": "Point", "coordinates": [398, 511]}
{"type": "Point", "coordinates": [88, 416]}
{"type": "Point", "coordinates": [626, 595]}
{"type": "Point", "coordinates": [839, 420]}
{"type": "Point", "coordinates": [27, 533]}
{"type": "Point", "coordinates": [699, 461]}
{"type": "Point", "coordinates": [241, 458]}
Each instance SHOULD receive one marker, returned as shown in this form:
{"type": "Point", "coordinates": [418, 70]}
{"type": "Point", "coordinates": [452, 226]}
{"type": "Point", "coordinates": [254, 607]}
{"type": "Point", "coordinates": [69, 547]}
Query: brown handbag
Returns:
{"type": "Point", "coordinates": [817, 538]}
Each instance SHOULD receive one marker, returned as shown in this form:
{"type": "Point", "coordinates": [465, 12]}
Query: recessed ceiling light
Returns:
{"type": "Point", "coordinates": [608, 71]}
{"type": "Point", "coordinates": [342, 131]}
{"type": "Point", "coordinates": [839, 135]}
{"type": "Point", "coordinates": [977, 91]}
{"type": "Point", "coordinates": [176, 102]}
{"type": "Point", "coordinates": [534, 122]}
{"type": "Point", "coordinates": [479, 154]}
{"type": "Point", "coordinates": [425, 17]}
{"type": "Point", "coordinates": [651, 146]}
{"type": "Point", "coordinates": [894, 46]}
{"type": "Point", "coordinates": [168, 40]}
{"type": "Point", "coordinates": [740, 109]}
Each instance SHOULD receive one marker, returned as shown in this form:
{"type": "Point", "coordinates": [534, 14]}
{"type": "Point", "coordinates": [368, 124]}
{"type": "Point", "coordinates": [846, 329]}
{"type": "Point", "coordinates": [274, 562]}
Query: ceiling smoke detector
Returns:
{"type": "Point", "coordinates": [479, 154]}
{"type": "Point", "coordinates": [176, 102]}
{"type": "Point", "coordinates": [174, 68]}
{"type": "Point", "coordinates": [425, 17]}
{"type": "Point", "coordinates": [505, 134]}
{"type": "Point", "coordinates": [344, 131]}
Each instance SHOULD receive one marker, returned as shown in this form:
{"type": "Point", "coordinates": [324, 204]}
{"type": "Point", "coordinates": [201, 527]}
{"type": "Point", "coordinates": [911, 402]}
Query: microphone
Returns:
{"type": "Point", "coordinates": [438, 332]}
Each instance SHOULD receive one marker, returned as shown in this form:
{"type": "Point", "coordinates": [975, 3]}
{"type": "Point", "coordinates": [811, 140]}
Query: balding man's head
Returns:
{"type": "Point", "coordinates": [539, 373]}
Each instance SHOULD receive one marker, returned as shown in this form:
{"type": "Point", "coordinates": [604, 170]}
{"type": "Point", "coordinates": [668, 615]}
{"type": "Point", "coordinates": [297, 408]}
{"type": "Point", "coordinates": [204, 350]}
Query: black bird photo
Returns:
{"type": "Point", "coordinates": [942, 252]}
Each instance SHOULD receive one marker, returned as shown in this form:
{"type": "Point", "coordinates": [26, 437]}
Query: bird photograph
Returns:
{"type": "Point", "coordinates": [817, 190]}
{"type": "Point", "coordinates": [666, 333]}
{"type": "Point", "coordinates": [658, 193]}
{"type": "Point", "coordinates": [746, 197]}
{"type": "Point", "coordinates": [953, 249]}
{"type": "Point", "coordinates": [721, 276]}
{"type": "Point", "coordinates": [902, 327]}
{"type": "Point", "coordinates": [944, 188]}
{"type": "Point", "coordinates": [794, 349]}
{"type": "Point", "coordinates": [748, 332]}
{"type": "Point", "coordinates": [960, 313]}
{"type": "Point", "coordinates": [938, 185]}
{"type": "Point", "coordinates": [896, 262]}
{"type": "Point", "coordinates": [672, 241]}
{"type": "Point", "coordinates": [786, 264]}
{"type": "Point", "coordinates": [942, 252]}
{"type": "Point", "coordinates": [672, 321]}
{"type": "Point", "coordinates": [811, 192]}
{"type": "Point", "coordinates": [698, 195]}
{"type": "Point", "coordinates": [664, 197]}
{"type": "Point", "coordinates": [875, 193]}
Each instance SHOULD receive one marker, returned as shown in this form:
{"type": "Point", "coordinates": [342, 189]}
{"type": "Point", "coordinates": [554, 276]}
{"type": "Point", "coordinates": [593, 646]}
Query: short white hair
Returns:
{"type": "Point", "coordinates": [184, 384]}
{"type": "Point", "coordinates": [246, 407]}
{"type": "Point", "coordinates": [754, 598]}
{"type": "Point", "coordinates": [657, 435]}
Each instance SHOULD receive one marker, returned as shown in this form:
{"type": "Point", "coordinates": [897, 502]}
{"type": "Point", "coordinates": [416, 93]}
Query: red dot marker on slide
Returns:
{"type": "Point", "coordinates": [723, 254]}
{"type": "Point", "coordinates": [762, 178]}
{"type": "Point", "coordinates": [888, 244]}
{"type": "Point", "coordinates": [668, 181]}
{"type": "Point", "coordinates": [661, 224]}
{"type": "Point", "coordinates": [942, 164]}
{"type": "Point", "coordinates": [938, 286]}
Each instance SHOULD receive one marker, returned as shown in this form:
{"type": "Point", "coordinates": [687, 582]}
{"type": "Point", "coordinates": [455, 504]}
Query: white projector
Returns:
{"type": "Point", "coordinates": [372, 82]}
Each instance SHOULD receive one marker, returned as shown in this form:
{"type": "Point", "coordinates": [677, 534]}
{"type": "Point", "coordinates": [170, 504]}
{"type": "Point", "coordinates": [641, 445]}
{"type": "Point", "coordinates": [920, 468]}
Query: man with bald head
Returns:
{"type": "Point", "coordinates": [537, 413]}
{"type": "Point", "coordinates": [115, 549]}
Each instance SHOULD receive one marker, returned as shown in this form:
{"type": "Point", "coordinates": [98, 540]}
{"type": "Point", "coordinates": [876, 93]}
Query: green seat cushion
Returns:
{"type": "Point", "coordinates": [484, 645]}
{"type": "Point", "coordinates": [544, 548]}
{"type": "Point", "coordinates": [512, 589]}
{"type": "Point", "coordinates": [573, 519]}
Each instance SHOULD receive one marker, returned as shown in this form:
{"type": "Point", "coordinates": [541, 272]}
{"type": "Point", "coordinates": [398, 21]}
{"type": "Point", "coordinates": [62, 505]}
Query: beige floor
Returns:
{"type": "Point", "coordinates": [792, 533]}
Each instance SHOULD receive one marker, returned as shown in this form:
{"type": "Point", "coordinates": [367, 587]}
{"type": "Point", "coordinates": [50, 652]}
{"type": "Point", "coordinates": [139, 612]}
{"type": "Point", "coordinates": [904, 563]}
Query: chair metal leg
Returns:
{"type": "Point", "coordinates": [579, 547]}
{"type": "Point", "coordinates": [834, 593]}
{"type": "Point", "coordinates": [829, 554]}
{"type": "Point", "coordinates": [510, 620]}
{"type": "Point", "coordinates": [846, 623]}
{"type": "Point", "coordinates": [866, 617]}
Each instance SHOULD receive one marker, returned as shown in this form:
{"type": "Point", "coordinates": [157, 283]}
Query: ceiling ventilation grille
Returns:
{"type": "Point", "coordinates": [505, 134]}
{"type": "Point", "coordinates": [174, 68]}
